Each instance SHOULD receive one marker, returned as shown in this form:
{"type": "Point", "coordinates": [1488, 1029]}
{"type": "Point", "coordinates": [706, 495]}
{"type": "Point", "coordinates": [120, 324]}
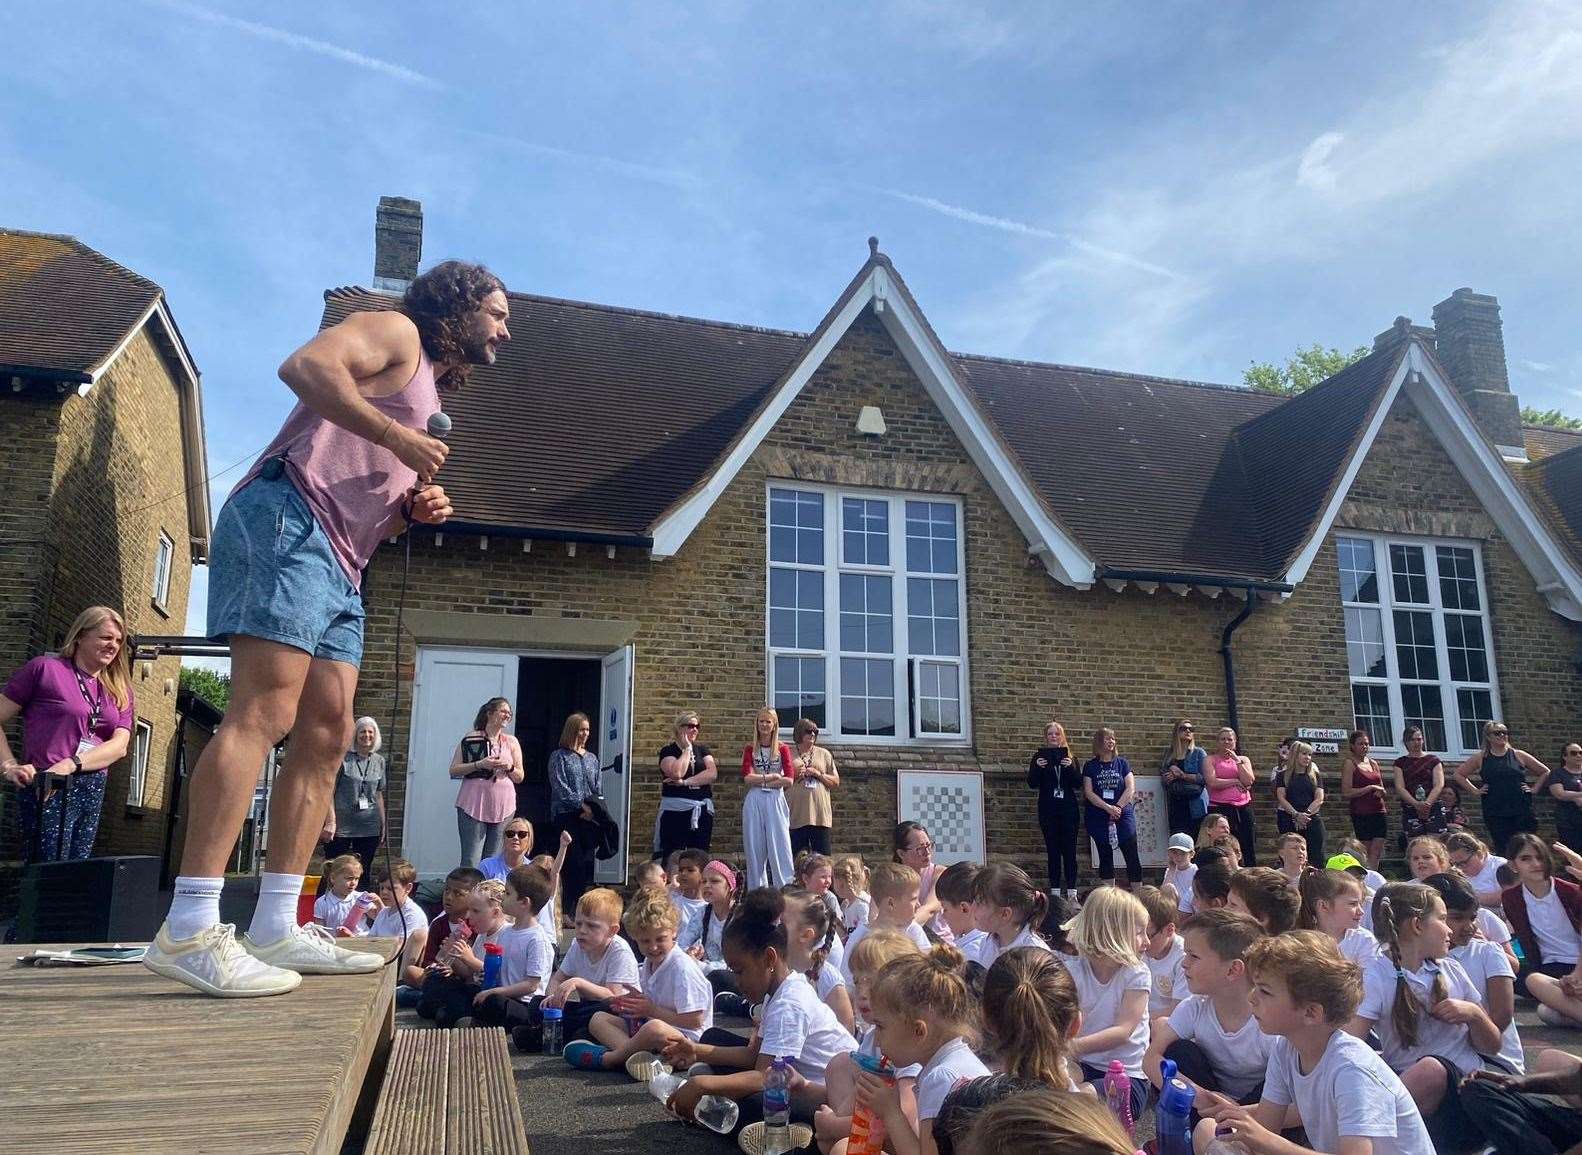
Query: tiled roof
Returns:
{"type": "Point", "coordinates": [64, 308]}
{"type": "Point", "coordinates": [1556, 483]}
{"type": "Point", "coordinates": [1543, 440]}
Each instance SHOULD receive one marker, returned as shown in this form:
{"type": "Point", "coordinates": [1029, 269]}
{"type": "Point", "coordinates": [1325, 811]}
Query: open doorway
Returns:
{"type": "Point", "coordinates": [548, 690]}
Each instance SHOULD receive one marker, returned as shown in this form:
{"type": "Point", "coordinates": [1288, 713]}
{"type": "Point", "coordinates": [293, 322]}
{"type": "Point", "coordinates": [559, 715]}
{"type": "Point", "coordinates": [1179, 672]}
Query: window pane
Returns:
{"type": "Point", "coordinates": [867, 696]}
{"type": "Point", "coordinates": [1364, 643]}
{"type": "Point", "coordinates": [1370, 705]}
{"type": "Point", "coordinates": [1473, 709]}
{"type": "Point", "coordinates": [939, 698]}
{"type": "Point", "coordinates": [799, 690]}
{"type": "Point", "coordinates": [931, 537]}
{"type": "Point", "coordinates": [933, 616]}
{"type": "Point", "coordinates": [865, 526]}
{"type": "Point", "coordinates": [1458, 578]}
{"type": "Point", "coordinates": [1469, 660]}
{"type": "Point", "coordinates": [1422, 707]}
{"type": "Point", "coordinates": [865, 614]}
{"type": "Point", "coordinates": [1358, 580]}
{"type": "Point", "coordinates": [796, 526]}
{"type": "Point", "coordinates": [796, 608]}
{"type": "Point", "coordinates": [1409, 571]}
{"type": "Point", "coordinates": [1414, 644]}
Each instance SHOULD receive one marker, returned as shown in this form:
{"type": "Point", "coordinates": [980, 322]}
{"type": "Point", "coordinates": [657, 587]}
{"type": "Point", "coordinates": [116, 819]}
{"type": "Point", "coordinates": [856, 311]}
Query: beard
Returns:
{"type": "Point", "coordinates": [476, 348]}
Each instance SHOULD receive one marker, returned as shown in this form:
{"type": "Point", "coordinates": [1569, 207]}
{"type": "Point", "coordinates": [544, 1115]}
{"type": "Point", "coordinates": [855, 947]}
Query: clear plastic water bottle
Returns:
{"type": "Point", "coordinates": [777, 1107]}
{"type": "Point", "coordinates": [554, 1037]}
{"type": "Point", "coordinates": [1117, 1093]}
{"type": "Point", "coordinates": [1421, 795]}
{"type": "Point", "coordinates": [493, 961]}
{"type": "Point", "coordinates": [1173, 1115]}
{"type": "Point", "coordinates": [715, 1112]}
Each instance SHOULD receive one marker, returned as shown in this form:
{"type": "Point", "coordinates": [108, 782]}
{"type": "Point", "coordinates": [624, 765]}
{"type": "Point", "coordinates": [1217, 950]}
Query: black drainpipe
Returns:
{"type": "Point", "coordinates": [1230, 661]}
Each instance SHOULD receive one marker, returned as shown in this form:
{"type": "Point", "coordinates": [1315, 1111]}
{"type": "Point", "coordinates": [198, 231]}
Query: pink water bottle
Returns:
{"type": "Point", "coordinates": [354, 917]}
{"type": "Point", "coordinates": [1118, 1096]}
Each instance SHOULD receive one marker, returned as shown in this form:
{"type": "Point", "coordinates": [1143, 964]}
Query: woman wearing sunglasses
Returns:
{"type": "Point", "coordinates": [1508, 777]}
{"type": "Point", "coordinates": [686, 797]}
{"type": "Point", "coordinates": [812, 815]}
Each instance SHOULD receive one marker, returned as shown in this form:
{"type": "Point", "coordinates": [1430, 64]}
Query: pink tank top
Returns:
{"type": "Point", "coordinates": [1224, 784]}
{"type": "Point", "coordinates": [353, 486]}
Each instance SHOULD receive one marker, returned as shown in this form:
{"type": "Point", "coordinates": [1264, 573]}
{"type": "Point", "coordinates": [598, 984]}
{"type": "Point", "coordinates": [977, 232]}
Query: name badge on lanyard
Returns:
{"type": "Point", "coordinates": [90, 740]}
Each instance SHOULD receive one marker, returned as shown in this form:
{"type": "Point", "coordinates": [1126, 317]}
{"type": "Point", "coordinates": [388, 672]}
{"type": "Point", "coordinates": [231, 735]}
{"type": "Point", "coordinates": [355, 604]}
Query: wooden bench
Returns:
{"type": "Point", "coordinates": [448, 1092]}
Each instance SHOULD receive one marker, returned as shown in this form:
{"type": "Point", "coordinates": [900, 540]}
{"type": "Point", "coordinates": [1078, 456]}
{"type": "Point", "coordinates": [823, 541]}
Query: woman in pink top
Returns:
{"type": "Point", "coordinates": [1230, 777]}
{"type": "Point", "coordinates": [489, 763]}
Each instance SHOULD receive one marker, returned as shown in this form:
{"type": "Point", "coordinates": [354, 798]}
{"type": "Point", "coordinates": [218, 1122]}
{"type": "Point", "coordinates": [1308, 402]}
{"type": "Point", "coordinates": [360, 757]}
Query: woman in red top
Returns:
{"type": "Point", "coordinates": [767, 770]}
{"type": "Point", "coordinates": [1362, 786]}
{"type": "Point", "coordinates": [1428, 804]}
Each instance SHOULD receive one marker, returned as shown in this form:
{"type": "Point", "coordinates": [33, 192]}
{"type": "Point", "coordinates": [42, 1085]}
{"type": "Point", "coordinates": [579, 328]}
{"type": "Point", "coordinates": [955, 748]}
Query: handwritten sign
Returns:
{"type": "Point", "coordinates": [1321, 734]}
{"type": "Point", "coordinates": [1326, 747]}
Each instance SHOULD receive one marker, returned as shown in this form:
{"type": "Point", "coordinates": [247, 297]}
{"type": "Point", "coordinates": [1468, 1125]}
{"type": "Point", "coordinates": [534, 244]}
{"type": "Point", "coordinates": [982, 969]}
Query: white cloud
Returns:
{"type": "Point", "coordinates": [299, 42]}
{"type": "Point", "coordinates": [1537, 366]}
{"type": "Point", "coordinates": [674, 178]}
{"type": "Point", "coordinates": [1313, 169]}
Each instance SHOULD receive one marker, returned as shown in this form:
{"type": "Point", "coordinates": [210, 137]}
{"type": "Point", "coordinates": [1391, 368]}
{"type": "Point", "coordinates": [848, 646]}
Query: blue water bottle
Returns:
{"type": "Point", "coordinates": [1173, 1115]}
{"type": "Point", "coordinates": [493, 960]}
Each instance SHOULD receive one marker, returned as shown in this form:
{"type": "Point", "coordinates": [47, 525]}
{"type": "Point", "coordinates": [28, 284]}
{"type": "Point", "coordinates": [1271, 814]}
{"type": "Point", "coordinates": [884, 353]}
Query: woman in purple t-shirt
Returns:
{"type": "Point", "coordinates": [76, 713]}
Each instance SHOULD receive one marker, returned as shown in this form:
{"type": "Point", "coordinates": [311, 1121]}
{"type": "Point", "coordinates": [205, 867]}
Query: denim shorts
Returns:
{"type": "Point", "coordinates": [272, 575]}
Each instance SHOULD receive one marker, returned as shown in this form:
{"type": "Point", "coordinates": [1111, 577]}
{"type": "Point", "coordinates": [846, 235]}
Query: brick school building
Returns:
{"type": "Point", "coordinates": [931, 554]}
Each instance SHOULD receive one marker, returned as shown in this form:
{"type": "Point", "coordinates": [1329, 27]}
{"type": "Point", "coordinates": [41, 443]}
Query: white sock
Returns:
{"type": "Point", "coordinates": [195, 907]}
{"type": "Point", "coordinates": [276, 912]}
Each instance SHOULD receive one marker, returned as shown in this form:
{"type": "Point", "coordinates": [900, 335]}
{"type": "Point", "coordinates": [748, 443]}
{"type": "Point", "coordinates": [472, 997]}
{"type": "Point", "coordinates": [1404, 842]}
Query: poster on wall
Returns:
{"type": "Point", "coordinates": [949, 804]}
{"type": "Point", "coordinates": [1153, 825]}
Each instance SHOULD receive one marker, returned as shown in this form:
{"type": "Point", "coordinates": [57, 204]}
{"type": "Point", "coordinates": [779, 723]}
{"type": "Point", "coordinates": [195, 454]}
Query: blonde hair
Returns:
{"type": "Point", "coordinates": [602, 903]}
{"type": "Point", "coordinates": [652, 910]}
{"type": "Point", "coordinates": [1042, 1121]}
{"type": "Point", "coordinates": [1178, 742]}
{"type": "Point", "coordinates": [340, 863]}
{"type": "Point", "coordinates": [683, 719]}
{"type": "Point", "coordinates": [894, 880]}
{"type": "Point", "coordinates": [851, 871]}
{"type": "Point", "coordinates": [1394, 905]}
{"type": "Point", "coordinates": [1313, 970]}
{"type": "Point", "coordinates": [1439, 850]}
{"type": "Point", "coordinates": [1292, 767]}
{"type": "Point", "coordinates": [116, 678]}
{"type": "Point", "coordinates": [774, 716]}
{"type": "Point", "coordinates": [934, 983]}
{"type": "Point", "coordinates": [492, 890]}
{"type": "Point", "coordinates": [877, 949]}
{"type": "Point", "coordinates": [1107, 926]}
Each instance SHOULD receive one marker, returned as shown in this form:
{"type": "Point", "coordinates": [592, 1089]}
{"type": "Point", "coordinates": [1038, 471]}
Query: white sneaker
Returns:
{"type": "Point", "coordinates": [212, 961]}
{"type": "Point", "coordinates": [312, 950]}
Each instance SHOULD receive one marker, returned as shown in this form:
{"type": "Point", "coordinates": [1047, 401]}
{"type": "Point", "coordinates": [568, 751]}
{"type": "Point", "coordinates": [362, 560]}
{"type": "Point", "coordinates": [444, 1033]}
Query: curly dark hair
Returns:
{"type": "Point", "coordinates": [439, 303]}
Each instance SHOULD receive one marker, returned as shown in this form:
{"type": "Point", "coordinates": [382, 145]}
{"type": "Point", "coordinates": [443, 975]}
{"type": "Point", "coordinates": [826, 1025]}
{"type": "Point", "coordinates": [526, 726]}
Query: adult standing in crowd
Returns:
{"type": "Point", "coordinates": [489, 763]}
{"type": "Point", "coordinates": [1508, 777]}
{"type": "Point", "coordinates": [915, 848]}
{"type": "Point", "coordinates": [1230, 780]}
{"type": "Point", "coordinates": [1565, 787]}
{"type": "Point", "coordinates": [1054, 774]}
{"type": "Point", "coordinates": [356, 821]}
{"type": "Point", "coordinates": [1362, 786]}
{"type": "Point", "coordinates": [767, 772]}
{"type": "Point", "coordinates": [574, 778]}
{"type": "Point", "coordinates": [1184, 774]}
{"type": "Point", "coordinates": [1473, 859]}
{"type": "Point", "coordinates": [686, 796]}
{"type": "Point", "coordinates": [812, 814]}
{"type": "Point", "coordinates": [1108, 789]}
{"type": "Point", "coordinates": [1420, 786]}
{"type": "Point", "coordinates": [1299, 800]}
{"type": "Point", "coordinates": [77, 719]}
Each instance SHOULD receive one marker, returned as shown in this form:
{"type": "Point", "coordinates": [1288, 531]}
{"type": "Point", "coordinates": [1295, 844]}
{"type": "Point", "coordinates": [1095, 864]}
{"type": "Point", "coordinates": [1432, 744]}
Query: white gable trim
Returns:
{"type": "Point", "coordinates": [1060, 553]}
{"type": "Point", "coordinates": [1556, 576]}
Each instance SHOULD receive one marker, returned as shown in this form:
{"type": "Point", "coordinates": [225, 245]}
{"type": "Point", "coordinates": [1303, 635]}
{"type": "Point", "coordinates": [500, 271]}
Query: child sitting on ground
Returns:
{"type": "Point", "coordinates": [850, 884]}
{"type": "Point", "coordinates": [810, 935]}
{"type": "Point", "coordinates": [1332, 902]}
{"type": "Point", "coordinates": [451, 920]}
{"type": "Point", "coordinates": [334, 907]}
{"type": "Point", "coordinates": [651, 876]}
{"type": "Point", "coordinates": [832, 1123]}
{"type": "Point", "coordinates": [1164, 953]}
{"type": "Point", "coordinates": [1030, 1014]}
{"type": "Point", "coordinates": [448, 999]}
{"type": "Point", "coordinates": [922, 1013]}
{"type": "Point", "coordinates": [1292, 849]}
{"type": "Point", "coordinates": [816, 873]}
{"type": "Point", "coordinates": [1009, 909]}
{"type": "Point", "coordinates": [1211, 885]}
{"type": "Point", "coordinates": [1546, 913]}
{"type": "Point", "coordinates": [548, 916]}
{"type": "Point", "coordinates": [701, 936]}
{"type": "Point", "coordinates": [529, 955]}
{"type": "Point", "coordinates": [894, 906]}
{"type": "Point", "coordinates": [1265, 894]}
{"type": "Point", "coordinates": [395, 915]}
{"type": "Point", "coordinates": [1045, 1122]}
{"type": "Point", "coordinates": [687, 893]}
{"type": "Point", "coordinates": [954, 888]}
{"type": "Point", "coordinates": [1349, 1100]}
{"type": "Point", "coordinates": [1427, 856]}
{"type": "Point", "coordinates": [676, 1000]}
{"type": "Point", "coordinates": [1485, 962]}
{"type": "Point", "coordinates": [598, 967]}
{"type": "Point", "coordinates": [1212, 1036]}
{"type": "Point", "coordinates": [1180, 872]}
{"type": "Point", "coordinates": [796, 1027]}
{"type": "Point", "coordinates": [1112, 987]}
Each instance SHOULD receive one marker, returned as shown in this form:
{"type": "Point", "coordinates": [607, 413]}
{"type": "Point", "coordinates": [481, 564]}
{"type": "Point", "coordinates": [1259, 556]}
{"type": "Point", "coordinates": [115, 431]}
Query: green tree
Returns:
{"type": "Point", "coordinates": [1554, 417]}
{"type": "Point", "coordinates": [213, 688]}
{"type": "Point", "coordinates": [1301, 371]}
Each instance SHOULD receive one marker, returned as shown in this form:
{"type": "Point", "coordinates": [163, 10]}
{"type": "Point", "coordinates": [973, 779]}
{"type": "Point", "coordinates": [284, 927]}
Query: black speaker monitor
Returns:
{"type": "Point", "coordinates": [89, 901]}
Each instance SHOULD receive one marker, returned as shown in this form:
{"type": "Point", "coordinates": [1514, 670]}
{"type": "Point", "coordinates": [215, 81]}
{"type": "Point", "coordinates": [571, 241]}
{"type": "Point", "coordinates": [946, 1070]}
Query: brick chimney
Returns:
{"type": "Point", "coordinates": [398, 243]}
{"type": "Point", "coordinates": [1471, 346]}
{"type": "Point", "coordinates": [1402, 331]}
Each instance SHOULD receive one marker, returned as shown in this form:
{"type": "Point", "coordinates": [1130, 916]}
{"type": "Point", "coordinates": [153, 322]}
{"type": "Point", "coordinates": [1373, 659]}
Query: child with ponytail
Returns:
{"type": "Point", "coordinates": [1030, 1015]}
{"type": "Point", "coordinates": [1485, 963]}
{"type": "Point", "coordinates": [1332, 904]}
{"type": "Point", "coordinates": [1113, 984]}
{"type": "Point", "coordinates": [810, 937]}
{"type": "Point", "coordinates": [1009, 908]}
{"type": "Point", "coordinates": [922, 1013]}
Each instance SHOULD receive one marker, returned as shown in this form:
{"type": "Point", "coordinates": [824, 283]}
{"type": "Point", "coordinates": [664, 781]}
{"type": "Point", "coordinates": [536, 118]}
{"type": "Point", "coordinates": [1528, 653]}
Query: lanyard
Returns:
{"type": "Point", "coordinates": [93, 706]}
{"type": "Point", "coordinates": [362, 765]}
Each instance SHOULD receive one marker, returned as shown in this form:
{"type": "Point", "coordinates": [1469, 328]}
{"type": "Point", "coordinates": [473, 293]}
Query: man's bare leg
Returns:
{"type": "Point", "coordinates": [319, 740]}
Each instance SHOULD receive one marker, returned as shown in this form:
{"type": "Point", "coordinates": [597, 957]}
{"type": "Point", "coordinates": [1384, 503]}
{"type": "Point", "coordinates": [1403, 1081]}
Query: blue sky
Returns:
{"type": "Point", "coordinates": [1173, 189]}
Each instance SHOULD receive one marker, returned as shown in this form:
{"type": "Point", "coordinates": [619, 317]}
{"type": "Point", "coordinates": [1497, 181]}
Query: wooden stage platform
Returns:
{"type": "Point", "coordinates": [115, 1058]}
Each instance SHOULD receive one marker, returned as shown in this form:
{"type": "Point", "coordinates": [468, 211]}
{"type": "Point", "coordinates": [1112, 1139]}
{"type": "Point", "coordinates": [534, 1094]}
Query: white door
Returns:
{"type": "Point", "coordinates": [615, 753]}
{"type": "Point", "coordinates": [450, 686]}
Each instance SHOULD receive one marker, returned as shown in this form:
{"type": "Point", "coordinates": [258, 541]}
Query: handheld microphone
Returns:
{"type": "Point", "coordinates": [439, 424]}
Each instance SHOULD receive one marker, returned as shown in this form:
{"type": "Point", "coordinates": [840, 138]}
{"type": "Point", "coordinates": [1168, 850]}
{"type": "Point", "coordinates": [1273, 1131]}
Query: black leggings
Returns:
{"type": "Point", "coordinates": [1553, 970]}
{"type": "Point", "coordinates": [1060, 827]}
{"type": "Point", "coordinates": [1313, 834]}
{"type": "Point", "coordinates": [1193, 1063]}
{"type": "Point", "coordinates": [814, 839]}
{"type": "Point", "coordinates": [1502, 827]}
{"type": "Point", "coordinates": [1240, 819]}
{"type": "Point", "coordinates": [576, 876]}
{"type": "Point", "coordinates": [1179, 812]}
{"type": "Point", "coordinates": [1134, 866]}
{"type": "Point", "coordinates": [676, 832]}
{"type": "Point", "coordinates": [363, 848]}
{"type": "Point", "coordinates": [1514, 1122]}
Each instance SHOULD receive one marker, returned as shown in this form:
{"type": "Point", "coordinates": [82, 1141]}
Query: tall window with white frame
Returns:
{"type": "Point", "coordinates": [164, 561]}
{"type": "Point", "coordinates": [142, 744]}
{"type": "Point", "coordinates": [887, 663]}
{"type": "Point", "coordinates": [1417, 639]}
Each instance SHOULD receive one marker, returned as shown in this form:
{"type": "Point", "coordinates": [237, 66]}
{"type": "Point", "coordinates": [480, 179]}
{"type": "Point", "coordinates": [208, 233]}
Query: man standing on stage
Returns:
{"type": "Point", "coordinates": [352, 466]}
